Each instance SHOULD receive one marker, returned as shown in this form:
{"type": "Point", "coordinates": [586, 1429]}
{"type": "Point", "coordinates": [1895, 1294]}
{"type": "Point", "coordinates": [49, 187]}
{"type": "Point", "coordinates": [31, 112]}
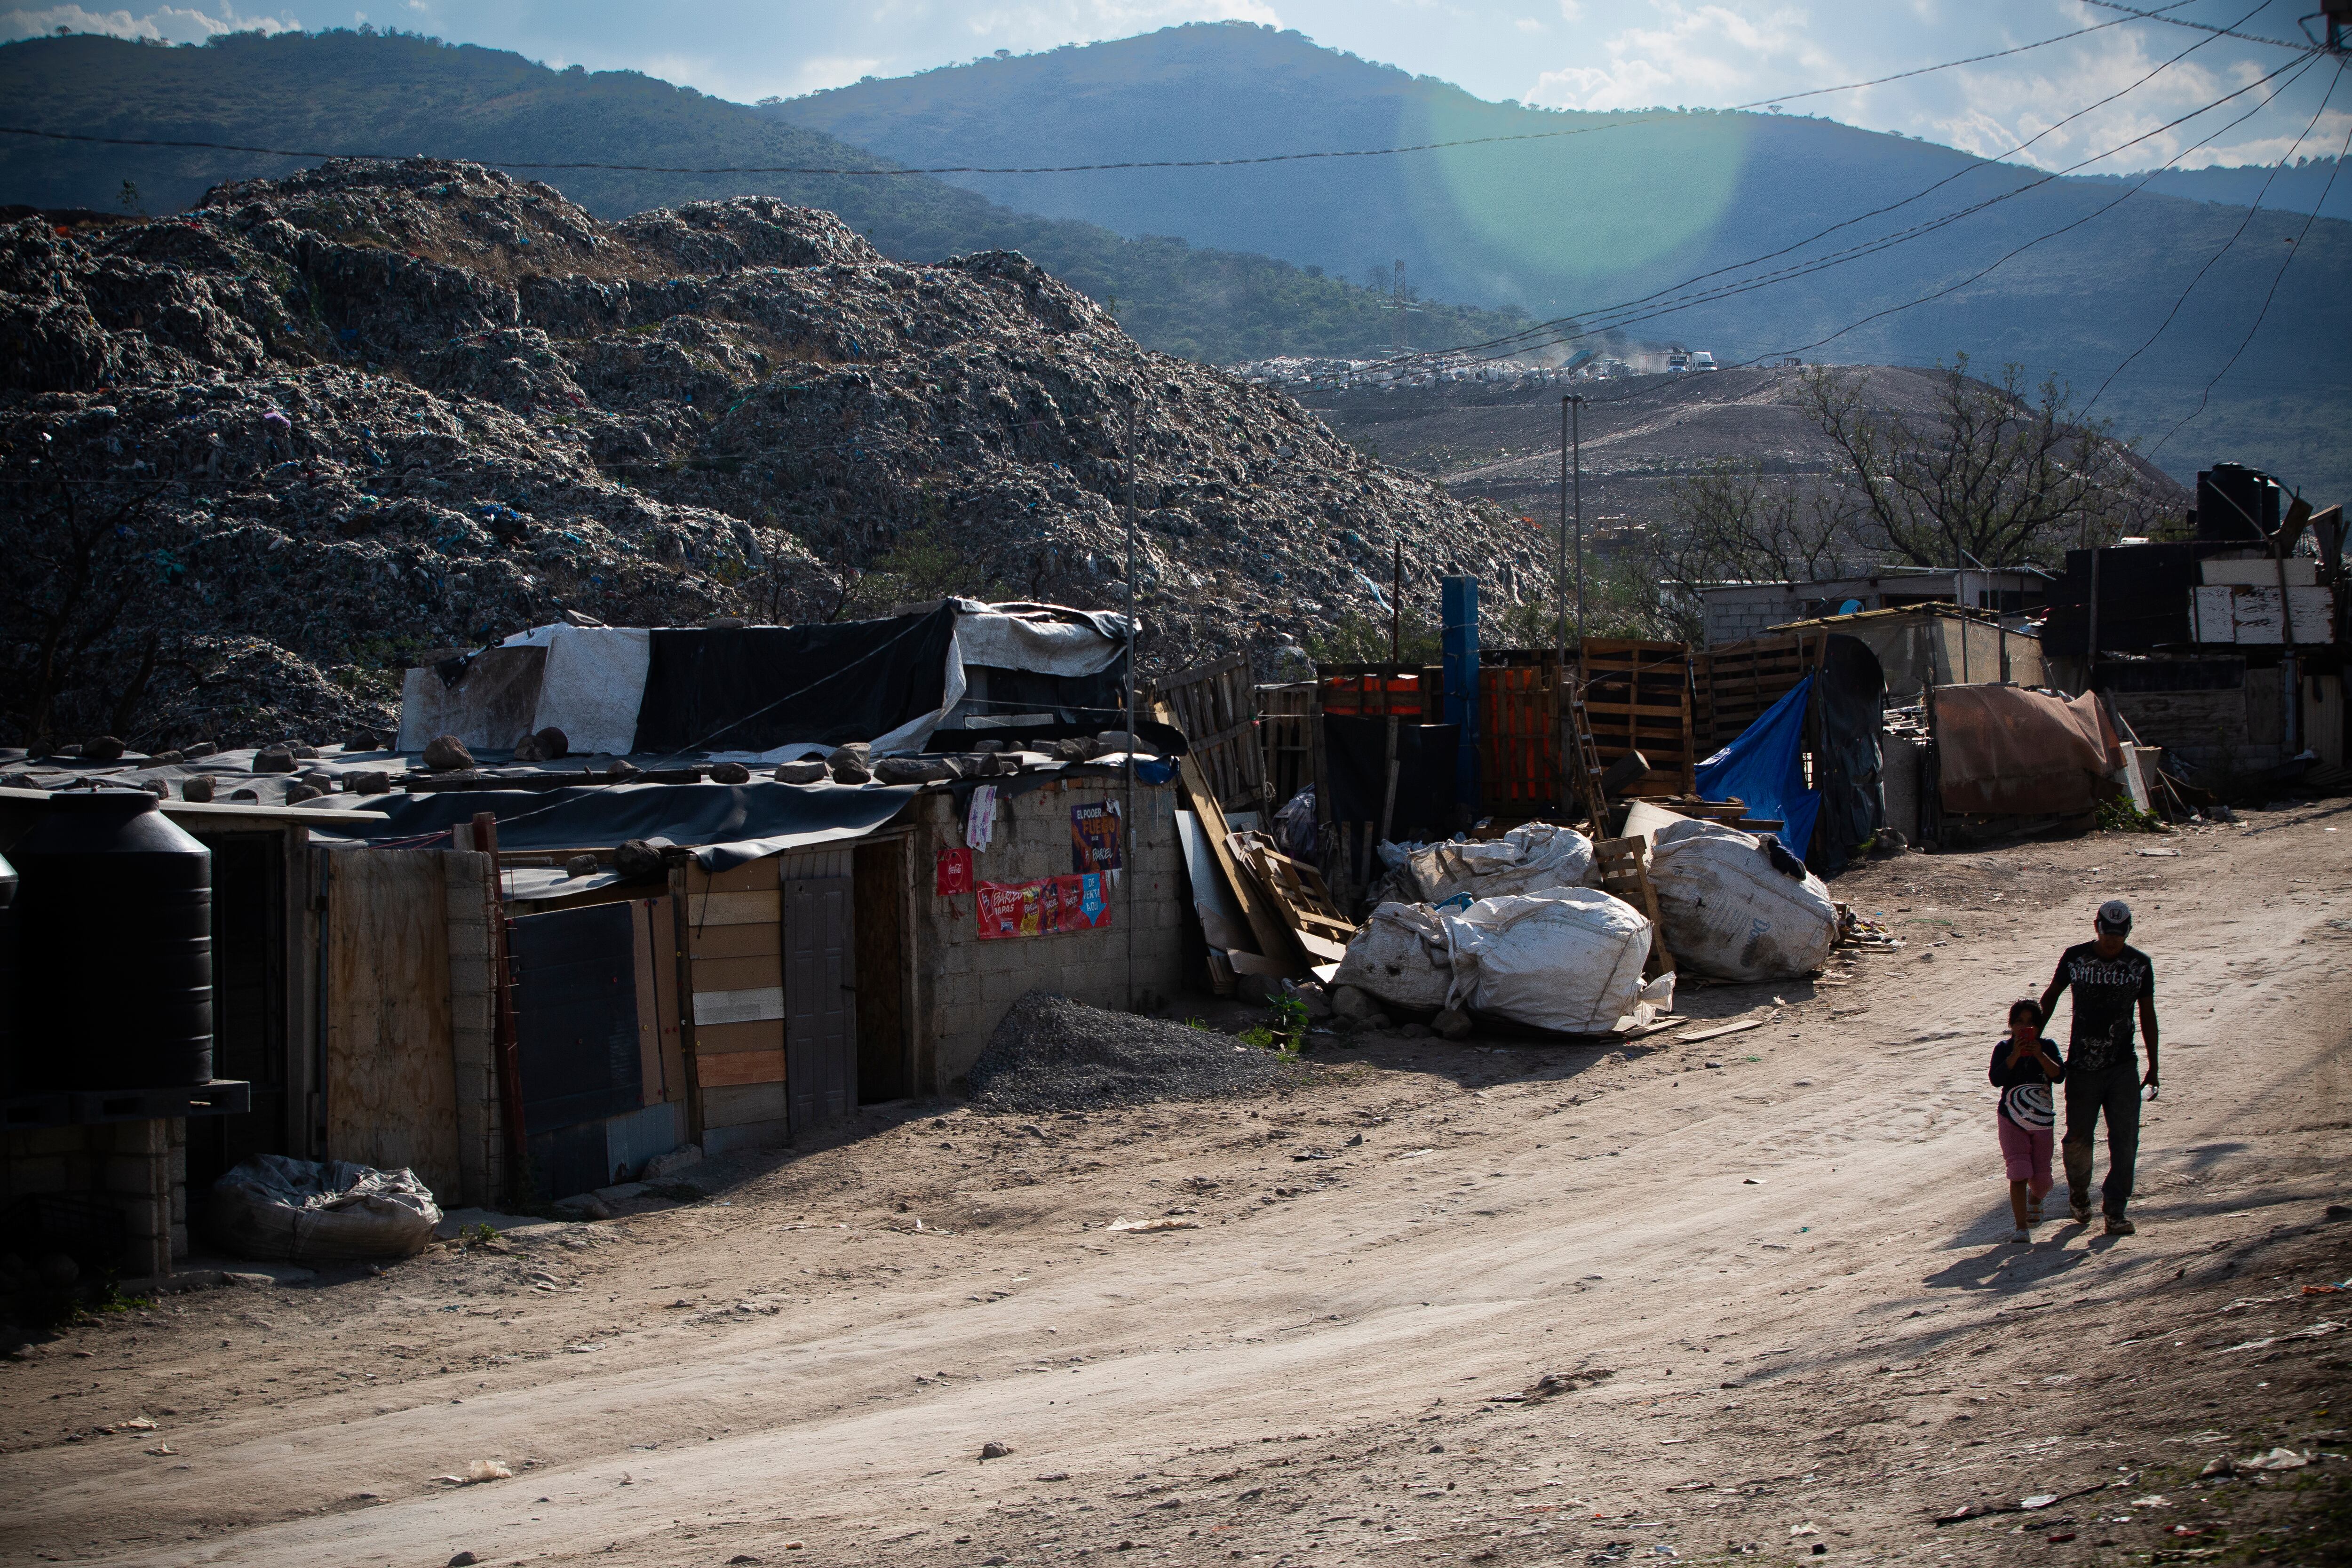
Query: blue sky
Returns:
{"type": "Point", "coordinates": [1579, 54]}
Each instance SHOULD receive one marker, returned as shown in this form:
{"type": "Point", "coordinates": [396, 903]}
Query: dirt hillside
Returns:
{"type": "Point", "coordinates": [1496, 1303]}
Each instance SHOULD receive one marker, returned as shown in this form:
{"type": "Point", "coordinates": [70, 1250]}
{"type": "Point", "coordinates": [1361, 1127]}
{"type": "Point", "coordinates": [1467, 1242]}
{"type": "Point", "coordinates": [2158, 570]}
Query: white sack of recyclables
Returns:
{"type": "Point", "coordinates": [1568, 959]}
{"type": "Point", "coordinates": [1400, 958]}
{"type": "Point", "coordinates": [1729, 913]}
{"type": "Point", "coordinates": [1531, 856]}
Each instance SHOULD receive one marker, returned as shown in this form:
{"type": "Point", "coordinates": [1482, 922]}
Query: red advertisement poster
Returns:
{"type": "Point", "coordinates": [954, 871]}
{"type": "Point", "coordinates": [1094, 837]}
{"type": "Point", "coordinates": [1045, 908]}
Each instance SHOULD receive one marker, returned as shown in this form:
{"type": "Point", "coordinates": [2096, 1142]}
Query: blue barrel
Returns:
{"type": "Point", "coordinates": [114, 949]}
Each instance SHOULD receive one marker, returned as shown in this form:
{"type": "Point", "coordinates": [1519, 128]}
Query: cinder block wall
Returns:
{"type": "Point", "coordinates": [964, 984]}
{"type": "Point", "coordinates": [140, 1169]}
{"type": "Point", "coordinates": [1736, 615]}
{"type": "Point", "coordinates": [473, 1009]}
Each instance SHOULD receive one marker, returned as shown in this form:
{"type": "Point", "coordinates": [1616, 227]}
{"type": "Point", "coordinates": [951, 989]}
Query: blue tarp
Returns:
{"type": "Point", "coordinates": [1766, 768]}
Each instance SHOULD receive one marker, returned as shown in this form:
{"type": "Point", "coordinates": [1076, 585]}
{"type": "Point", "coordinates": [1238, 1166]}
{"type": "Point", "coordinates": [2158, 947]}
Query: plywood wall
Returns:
{"type": "Point", "coordinates": [391, 1078]}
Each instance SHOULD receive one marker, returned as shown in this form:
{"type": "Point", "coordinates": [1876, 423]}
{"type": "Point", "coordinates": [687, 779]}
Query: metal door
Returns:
{"type": "Point", "coordinates": [820, 1002]}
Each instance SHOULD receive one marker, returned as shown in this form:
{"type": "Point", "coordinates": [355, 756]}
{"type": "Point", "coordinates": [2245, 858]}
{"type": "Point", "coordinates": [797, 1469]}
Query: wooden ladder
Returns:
{"type": "Point", "coordinates": [1585, 770]}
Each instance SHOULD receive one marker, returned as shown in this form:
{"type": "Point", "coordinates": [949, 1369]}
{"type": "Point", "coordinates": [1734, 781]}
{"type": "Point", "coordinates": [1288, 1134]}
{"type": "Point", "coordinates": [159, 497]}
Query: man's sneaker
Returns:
{"type": "Point", "coordinates": [2118, 1225]}
{"type": "Point", "coordinates": [2082, 1213]}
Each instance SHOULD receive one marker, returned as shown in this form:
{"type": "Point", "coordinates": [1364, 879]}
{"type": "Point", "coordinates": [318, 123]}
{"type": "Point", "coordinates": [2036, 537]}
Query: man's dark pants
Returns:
{"type": "Point", "coordinates": [2116, 1091]}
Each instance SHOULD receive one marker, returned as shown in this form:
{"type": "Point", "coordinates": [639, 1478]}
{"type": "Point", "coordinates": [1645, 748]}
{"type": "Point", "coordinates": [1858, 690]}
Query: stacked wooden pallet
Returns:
{"type": "Point", "coordinates": [1638, 696]}
{"type": "Point", "coordinates": [1736, 682]}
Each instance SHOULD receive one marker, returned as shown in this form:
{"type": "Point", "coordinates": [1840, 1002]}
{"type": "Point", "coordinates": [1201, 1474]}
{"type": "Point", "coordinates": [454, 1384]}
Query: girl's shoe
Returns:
{"type": "Point", "coordinates": [2034, 1212]}
{"type": "Point", "coordinates": [2022, 1234]}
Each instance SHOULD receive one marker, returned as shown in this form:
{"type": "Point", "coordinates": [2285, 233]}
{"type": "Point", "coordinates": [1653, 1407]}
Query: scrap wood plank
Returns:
{"type": "Point", "coordinates": [1297, 894]}
{"type": "Point", "coordinates": [1625, 874]}
{"type": "Point", "coordinates": [1740, 1028]}
{"type": "Point", "coordinates": [1273, 939]}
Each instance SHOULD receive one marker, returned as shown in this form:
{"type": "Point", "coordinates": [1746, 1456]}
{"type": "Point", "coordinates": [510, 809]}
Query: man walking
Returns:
{"type": "Point", "coordinates": [2111, 980]}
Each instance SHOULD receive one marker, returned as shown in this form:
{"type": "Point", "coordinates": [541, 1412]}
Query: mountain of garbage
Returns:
{"type": "Point", "coordinates": [262, 455]}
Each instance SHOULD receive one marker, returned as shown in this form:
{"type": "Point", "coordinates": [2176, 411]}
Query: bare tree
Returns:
{"type": "Point", "coordinates": [1992, 473]}
{"type": "Point", "coordinates": [73, 585]}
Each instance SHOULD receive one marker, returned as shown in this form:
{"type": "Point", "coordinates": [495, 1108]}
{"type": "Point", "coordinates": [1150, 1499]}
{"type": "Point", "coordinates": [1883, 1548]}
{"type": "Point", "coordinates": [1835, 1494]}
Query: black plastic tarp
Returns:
{"type": "Point", "coordinates": [1356, 753]}
{"type": "Point", "coordinates": [1853, 708]}
{"type": "Point", "coordinates": [725, 824]}
{"type": "Point", "coordinates": [746, 688]}
{"type": "Point", "coordinates": [2144, 597]}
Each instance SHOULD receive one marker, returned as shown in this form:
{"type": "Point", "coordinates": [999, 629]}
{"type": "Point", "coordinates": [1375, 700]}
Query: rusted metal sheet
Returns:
{"type": "Point", "coordinates": [2007, 750]}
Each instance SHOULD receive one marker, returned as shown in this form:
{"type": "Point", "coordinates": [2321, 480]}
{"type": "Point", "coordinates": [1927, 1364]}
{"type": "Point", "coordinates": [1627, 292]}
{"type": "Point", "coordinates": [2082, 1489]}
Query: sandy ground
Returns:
{"type": "Point", "coordinates": [1764, 1275]}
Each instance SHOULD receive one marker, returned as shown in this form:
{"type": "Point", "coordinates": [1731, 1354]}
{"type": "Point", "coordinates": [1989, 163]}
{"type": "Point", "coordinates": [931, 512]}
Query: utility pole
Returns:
{"type": "Point", "coordinates": [1128, 839]}
{"type": "Point", "coordinates": [1574, 416]}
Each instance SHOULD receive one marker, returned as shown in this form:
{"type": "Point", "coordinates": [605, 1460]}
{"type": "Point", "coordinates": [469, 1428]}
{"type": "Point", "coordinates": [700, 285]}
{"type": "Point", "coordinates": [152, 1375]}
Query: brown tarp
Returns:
{"type": "Point", "coordinates": [2007, 750]}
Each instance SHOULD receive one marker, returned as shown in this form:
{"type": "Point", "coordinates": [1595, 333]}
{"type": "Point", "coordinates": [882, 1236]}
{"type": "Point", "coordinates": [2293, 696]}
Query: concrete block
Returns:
{"type": "Point", "coordinates": [134, 1175]}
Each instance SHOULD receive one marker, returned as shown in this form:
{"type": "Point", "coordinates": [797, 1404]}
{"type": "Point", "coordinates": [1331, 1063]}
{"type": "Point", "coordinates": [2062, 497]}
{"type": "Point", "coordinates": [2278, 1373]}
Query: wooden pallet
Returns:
{"type": "Point", "coordinates": [1217, 708]}
{"type": "Point", "coordinates": [1286, 737]}
{"type": "Point", "coordinates": [1639, 698]}
{"type": "Point", "coordinates": [1299, 895]}
{"type": "Point", "coordinates": [1623, 865]}
{"type": "Point", "coordinates": [1740, 681]}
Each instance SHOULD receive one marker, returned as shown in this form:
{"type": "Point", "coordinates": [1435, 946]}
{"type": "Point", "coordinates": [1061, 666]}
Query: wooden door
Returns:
{"type": "Point", "coordinates": [391, 1067]}
{"type": "Point", "coordinates": [820, 1002]}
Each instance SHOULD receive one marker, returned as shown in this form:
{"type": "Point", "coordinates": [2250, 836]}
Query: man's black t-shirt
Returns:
{"type": "Point", "coordinates": [2107, 992]}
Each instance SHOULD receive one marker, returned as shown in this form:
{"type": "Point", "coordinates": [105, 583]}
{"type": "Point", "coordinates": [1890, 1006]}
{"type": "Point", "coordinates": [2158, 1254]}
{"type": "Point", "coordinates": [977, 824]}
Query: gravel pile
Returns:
{"type": "Point", "coordinates": [379, 410]}
{"type": "Point", "coordinates": [1052, 1054]}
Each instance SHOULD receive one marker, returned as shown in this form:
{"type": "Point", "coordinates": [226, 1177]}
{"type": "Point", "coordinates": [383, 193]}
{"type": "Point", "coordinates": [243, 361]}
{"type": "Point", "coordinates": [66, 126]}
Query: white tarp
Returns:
{"type": "Point", "coordinates": [594, 684]}
{"type": "Point", "coordinates": [1568, 959]}
{"type": "Point", "coordinates": [595, 680]}
{"type": "Point", "coordinates": [1729, 912]}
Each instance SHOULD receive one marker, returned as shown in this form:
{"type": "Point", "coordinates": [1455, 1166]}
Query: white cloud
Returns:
{"type": "Point", "coordinates": [1042, 23]}
{"type": "Point", "coordinates": [1691, 54]}
{"type": "Point", "coordinates": [167, 23]}
{"type": "Point", "coordinates": [1527, 25]}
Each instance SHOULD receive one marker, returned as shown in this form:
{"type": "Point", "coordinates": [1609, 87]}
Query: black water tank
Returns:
{"type": "Point", "coordinates": [2233, 501]}
{"type": "Point", "coordinates": [114, 947]}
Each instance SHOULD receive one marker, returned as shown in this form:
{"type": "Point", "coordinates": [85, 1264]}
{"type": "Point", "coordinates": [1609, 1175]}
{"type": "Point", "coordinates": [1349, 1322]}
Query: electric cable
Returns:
{"type": "Point", "coordinates": [2229, 31]}
{"type": "Point", "coordinates": [2238, 234]}
{"type": "Point", "coordinates": [1094, 168]}
{"type": "Point", "coordinates": [1823, 233]}
{"type": "Point", "coordinates": [2204, 396]}
{"type": "Point", "coordinates": [1614, 318]}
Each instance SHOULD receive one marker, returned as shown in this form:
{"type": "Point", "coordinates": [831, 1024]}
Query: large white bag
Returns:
{"type": "Point", "coordinates": [1530, 857]}
{"type": "Point", "coordinates": [1399, 957]}
{"type": "Point", "coordinates": [1729, 912]}
{"type": "Point", "coordinates": [1565, 958]}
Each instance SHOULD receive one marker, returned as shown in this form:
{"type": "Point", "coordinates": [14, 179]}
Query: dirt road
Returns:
{"type": "Point", "coordinates": [1763, 1273]}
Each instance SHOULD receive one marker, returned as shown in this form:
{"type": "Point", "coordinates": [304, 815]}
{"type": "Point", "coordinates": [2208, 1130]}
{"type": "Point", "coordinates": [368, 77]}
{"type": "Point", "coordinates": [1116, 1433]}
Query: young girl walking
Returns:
{"type": "Point", "coordinates": [2024, 1068]}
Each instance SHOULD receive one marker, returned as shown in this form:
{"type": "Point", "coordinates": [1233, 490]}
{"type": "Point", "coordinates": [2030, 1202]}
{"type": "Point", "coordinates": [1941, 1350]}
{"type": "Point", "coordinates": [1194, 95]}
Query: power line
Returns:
{"type": "Point", "coordinates": [2230, 32]}
{"type": "Point", "coordinates": [1613, 318]}
{"type": "Point", "coordinates": [2204, 396]}
{"type": "Point", "coordinates": [2252, 207]}
{"type": "Point", "coordinates": [1823, 233]}
{"type": "Point", "coordinates": [1096, 168]}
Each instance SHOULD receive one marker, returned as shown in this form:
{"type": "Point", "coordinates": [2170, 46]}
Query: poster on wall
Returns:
{"type": "Point", "coordinates": [1095, 838]}
{"type": "Point", "coordinates": [953, 871]}
{"type": "Point", "coordinates": [1045, 908]}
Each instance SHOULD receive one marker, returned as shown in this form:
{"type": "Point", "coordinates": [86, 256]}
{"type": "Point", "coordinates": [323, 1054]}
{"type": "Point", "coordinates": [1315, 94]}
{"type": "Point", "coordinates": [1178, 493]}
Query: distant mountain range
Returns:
{"type": "Point", "coordinates": [396, 94]}
{"type": "Point", "coordinates": [2311, 185]}
{"type": "Point", "coordinates": [1300, 258]}
{"type": "Point", "coordinates": [1630, 203]}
